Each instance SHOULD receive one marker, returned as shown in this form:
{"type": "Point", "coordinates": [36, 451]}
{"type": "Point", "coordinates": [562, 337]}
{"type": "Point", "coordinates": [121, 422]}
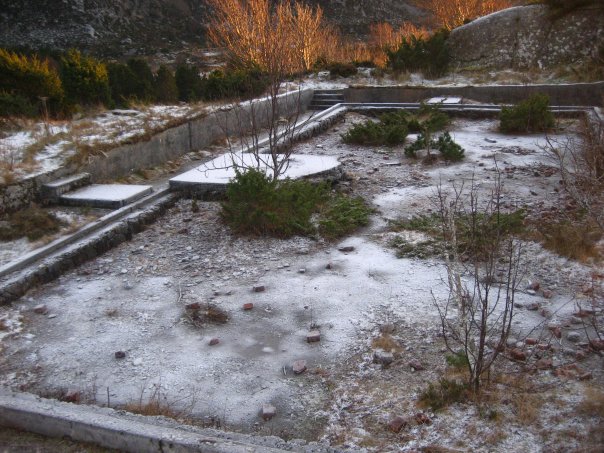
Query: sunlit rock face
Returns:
{"type": "Point", "coordinates": [528, 37]}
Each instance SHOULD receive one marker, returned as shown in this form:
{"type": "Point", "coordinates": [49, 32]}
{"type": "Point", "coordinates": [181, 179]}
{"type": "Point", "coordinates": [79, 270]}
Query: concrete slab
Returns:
{"type": "Point", "coordinates": [111, 196]}
{"type": "Point", "coordinates": [215, 175]}
{"type": "Point", "coordinates": [53, 190]}
{"type": "Point", "coordinates": [444, 100]}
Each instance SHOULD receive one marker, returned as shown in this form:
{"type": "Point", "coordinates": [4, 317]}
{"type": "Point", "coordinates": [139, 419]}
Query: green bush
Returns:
{"type": "Point", "coordinates": [238, 83]}
{"type": "Point", "coordinates": [85, 80]}
{"type": "Point", "coordinates": [342, 69]}
{"type": "Point", "coordinates": [165, 89]}
{"type": "Point", "coordinates": [371, 133]}
{"type": "Point", "coordinates": [450, 150]}
{"type": "Point", "coordinates": [257, 205]}
{"type": "Point", "coordinates": [444, 393]}
{"type": "Point", "coordinates": [459, 360]}
{"type": "Point", "coordinates": [341, 215]}
{"type": "Point", "coordinates": [16, 105]}
{"type": "Point", "coordinates": [122, 83]}
{"type": "Point", "coordinates": [429, 56]}
{"type": "Point", "coordinates": [188, 82]}
{"type": "Point", "coordinates": [531, 115]}
{"type": "Point", "coordinates": [23, 80]}
{"type": "Point", "coordinates": [142, 90]}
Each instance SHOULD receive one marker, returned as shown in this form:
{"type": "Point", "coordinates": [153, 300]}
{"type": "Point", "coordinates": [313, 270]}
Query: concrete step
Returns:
{"type": "Point", "coordinates": [109, 196]}
{"type": "Point", "coordinates": [52, 191]}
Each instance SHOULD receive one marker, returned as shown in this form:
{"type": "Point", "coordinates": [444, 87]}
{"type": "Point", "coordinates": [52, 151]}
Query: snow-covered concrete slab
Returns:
{"type": "Point", "coordinates": [110, 196]}
{"type": "Point", "coordinates": [216, 174]}
{"type": "Point", "coordinates": [444, 100]}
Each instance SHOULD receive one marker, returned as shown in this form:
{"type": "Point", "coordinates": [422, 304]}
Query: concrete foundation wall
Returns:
{"type": "Point", "coordinates": [581, 94]}
{"type": "Point", "coordinates": [193, 135]}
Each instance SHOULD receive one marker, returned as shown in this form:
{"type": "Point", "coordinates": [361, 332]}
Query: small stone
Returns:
{"type": "Point", "coordinates": [299, 366]}
{"type": "Point", "coordinates": [72, 396]}
{"type": "Point", "coordinates": [248, 306]}
{"type": "Point", "coordinates": [52, 316]}
{"type": "Point", "coordinates": [193, 306]}
{"type": "Point", "coordinates": [302, 271]}
{"type": "Point", "coordinates": [259, 288]}
{"type": "Point", "coordinates": [531, 341]}
{"type": "Point", "coordinates": [40, 309]}
{"type": "Point", "coordinates": [556, 331]}
{"type": "Point", "coordinates": [534, 286]}
{"type": "Point", "coordinates": [382, 357]}
{"type": "Point", "coordinates": [546, 313]}
{"type": "Point", "coordinates": [346, 249]}
{"type": "Point", "coordinates": [580, 355]}
{"type": "Point", "coordinates": [313, 336]}
{"type": "Point", "coordinates": [137, 362]}
{"type": "Point", "coordinates": [518, 354]}
{"type": "Point", "coordinates": [533, 306]}
{"type": "Point", "coordinates": [120, 355]}
{"type": "Point", "coordinates": [422, 419]}
{"type": "Point", "coordinates": [511, 342]}
{"type": "Point", "coordinates": [544, 346]}
{"type": "Point", "coordinates": [531, 292]}
{"type": "Point", "coordinates": [416, 365]}
{"type": "Point", "coordinates": [397, 423]}
{"type": "Point", "coordinates": [573, 336]}
{"type": "Point", "coordinates": [544, 364]}
{"type": "Point", "coordinates": [585, 376]}
{"type": "Point", "coordinates": [214, 342]}
{"type": "Point", "coordinates": [547, 294]}
{"type": "Point", "coordinates": [597, 345]}
{"type": "Point", "coordinates": [329, 266]}
{"type": "Point", "coordinates": [268, 411]}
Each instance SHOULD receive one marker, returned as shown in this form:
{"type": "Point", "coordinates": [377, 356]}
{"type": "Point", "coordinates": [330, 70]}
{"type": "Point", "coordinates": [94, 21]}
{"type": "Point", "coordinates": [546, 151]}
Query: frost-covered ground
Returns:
{"type": "Point", "coordinates": [133, 299]}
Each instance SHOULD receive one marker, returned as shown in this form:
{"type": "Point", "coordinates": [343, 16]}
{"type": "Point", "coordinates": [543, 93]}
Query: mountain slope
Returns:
{"type": "Point", "coordinates": [127, 27]}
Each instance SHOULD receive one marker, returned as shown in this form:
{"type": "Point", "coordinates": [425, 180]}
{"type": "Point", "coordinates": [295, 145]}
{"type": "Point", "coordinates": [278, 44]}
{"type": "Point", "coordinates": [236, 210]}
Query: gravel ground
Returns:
{"type": "Point", "coordinates": [133, 299]}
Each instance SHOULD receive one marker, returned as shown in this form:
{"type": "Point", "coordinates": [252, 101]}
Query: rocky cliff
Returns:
{"type": "Point", "coordinates": [128, 27]}
{"type": "Point", "coordinates": [527, 37]}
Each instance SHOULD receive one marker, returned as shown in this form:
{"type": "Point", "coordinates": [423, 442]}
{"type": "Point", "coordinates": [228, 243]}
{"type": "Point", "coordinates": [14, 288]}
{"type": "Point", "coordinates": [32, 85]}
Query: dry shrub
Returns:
{"type": "Point", "coordinates": [382, 37]}
{"type": "Point", "coordinates": [200, 315]}
{"type": "Point", "coordinates": [450, 14]}
{"type": "Point", "coordinates": [593, 403]}
{"type": "Point", "coordinates": [157, 404]}
{"type": "Point", "coordinates": [527, 407]}
{"type": "Point", "coordinates": [386, 342]}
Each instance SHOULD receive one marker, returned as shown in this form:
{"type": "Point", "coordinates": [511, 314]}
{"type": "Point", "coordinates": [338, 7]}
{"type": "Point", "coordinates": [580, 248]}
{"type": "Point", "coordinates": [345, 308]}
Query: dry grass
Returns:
{"type": "Point", "coordinates": [112, 312]}
{"type": "Point", "coordinates": [158, 405]}
{"type": "Point", "coordinates": [593, 403]}
{"type": "Point", "coordinates": [386, 342]}
{"type": "Point", "coordinates": [204, 314]}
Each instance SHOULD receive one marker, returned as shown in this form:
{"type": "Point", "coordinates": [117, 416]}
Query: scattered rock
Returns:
{"type": "Point", "coordinates": [518, 354]}
{"type": "Point", "coordinates": [214, 342]}
{"type": "Point", "coordinates": [382, 357]}
{"type": "Point", "coordinates": [531, 341]}
{"type": "Point", "coordinates": [346, 249]}
{"type": "Point", "coordinates": [397, 423]}
{"type": "Point", "coordinates": [533, 306]}
{"type": "Point", "coordinates": [555, 330]}
{"type": "Point", "coordinates": [72, 396]}
{"type": "Point", "coordinates": [259, 289]}
{"type": "Point", "coordinates": [544, 364]}
{"type": "Point", "coordinates": [302, 271]}
{"type": "Point", "coordinates": [40, 309]}
{"type": "Point", "coordinates": [546, 313]}
{"type": "Point", "coordinates": [597, 345]}
{"type": "Point", "coordinates": [268, 412]}
{"type": "Point", "coordinates": [534, 286]}
{"type": "Point", "coordinates": [193, 306]}
{"type": "Point", "coordinates": [313, 336]}
{"type": "Point", "coordinates": [299, 366]}
{"type": "Point", "coordinates": [248, 306]}
{"type": "Point", "coordinates": [53, 316]}
{"type": "Point", "coordinates": [547, 294]}
{"type": "Point", "coordinates": [422, 419]}
{"type": "Point", "coordinates": [511, 342]}
{"type": "Point", "coordinates": [416, 365]}
{"type": "Point", "coordinates": [120, 355]}
{"type": "Point", "coordinates": [573, 336]}
{"type": "Point", "coordinates": [137, 362]}
{"type": "Point", "coordinates": [586, 376]}
{"type": "Point", "coordinates": [329, 266]}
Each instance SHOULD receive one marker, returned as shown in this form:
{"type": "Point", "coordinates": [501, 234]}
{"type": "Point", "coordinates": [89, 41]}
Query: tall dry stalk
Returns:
{"type": "Point", "coordinates": [453, 13]}
{"type": "Point", "coordinates": [383, 37]}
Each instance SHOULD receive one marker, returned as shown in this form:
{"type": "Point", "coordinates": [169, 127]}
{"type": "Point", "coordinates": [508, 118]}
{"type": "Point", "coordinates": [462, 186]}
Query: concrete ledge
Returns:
{"type": "Point", "coordinates": [109, 428]}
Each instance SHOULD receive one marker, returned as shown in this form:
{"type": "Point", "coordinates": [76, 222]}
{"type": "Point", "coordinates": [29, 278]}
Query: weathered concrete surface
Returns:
{"type": "Point", "coordinates": [126, 432]}
{"type": "Point", "coordinates": [578, 94]}
{"type": "Point", "coordinates": [528, 37]}
{"type": "Point", "coordinates": [111, 196]}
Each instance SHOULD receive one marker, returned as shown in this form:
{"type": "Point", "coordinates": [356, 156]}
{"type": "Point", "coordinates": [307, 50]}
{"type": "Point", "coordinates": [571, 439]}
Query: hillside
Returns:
{"type": "Point", "coordinates": [129, 27]}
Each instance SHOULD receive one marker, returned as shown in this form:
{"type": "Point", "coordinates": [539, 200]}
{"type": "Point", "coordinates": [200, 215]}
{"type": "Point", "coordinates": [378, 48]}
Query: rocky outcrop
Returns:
{"type": "Point", "coordinates": [145, 27]}
{"type": "Point", "coordinates": [528, 37]}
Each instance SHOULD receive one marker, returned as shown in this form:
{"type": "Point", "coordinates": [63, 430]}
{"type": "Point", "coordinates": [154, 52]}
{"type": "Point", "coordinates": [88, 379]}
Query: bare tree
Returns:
{"type": "Point", "coordinates": [483, 274]}
{"type": "Point", "coordinates": [453, 13]}
{"type": "Point", "coordinates": [280, 40]}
